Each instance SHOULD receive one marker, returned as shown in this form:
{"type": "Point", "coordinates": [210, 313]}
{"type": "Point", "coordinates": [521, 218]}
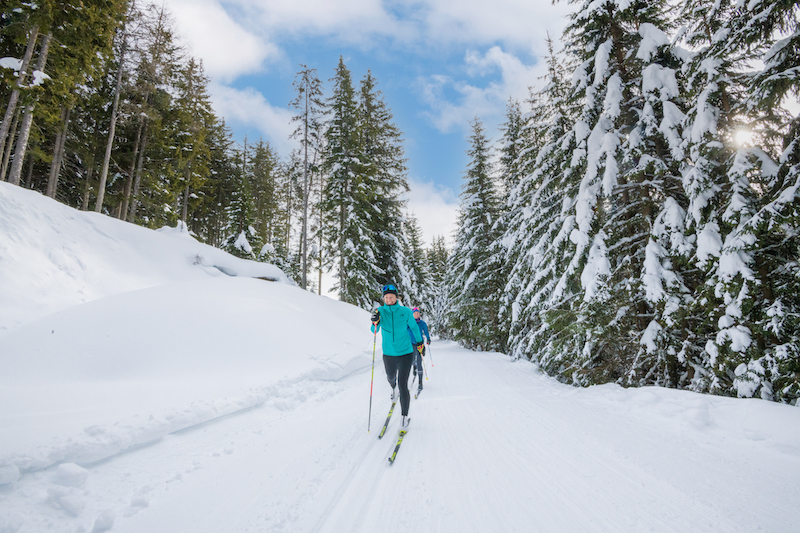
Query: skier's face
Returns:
{"type": "Point", "coordinates": [416, 315]}
{"type": "Point", "coordinates": [390, 298]}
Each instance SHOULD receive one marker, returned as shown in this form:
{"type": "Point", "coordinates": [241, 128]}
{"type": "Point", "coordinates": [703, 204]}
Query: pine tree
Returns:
{"type": "Point", "coordinates": [754, 351]}
{"type": "Point", "coordinates": [471, 285]}
{"type": "Point", "coordinates": [712, 88]}
{"type": "Point", "coordinates": [419, 290]}
{"type": "Point", "coordinates": [210, 215]}
{"type": "Point", "coordinates": [628, 197]}
{"type": "Point", "coordinates": [292, 203]}
{"type": "Point", "coordinates": [196, 119]}
{"type": "Point", "coordinates": [286, 206]}
{"type": "Point", "coordinates": [242, 239]}
{"type": "Point", "coordinates": [384, 181]}
{"type": "Point", "coordinates": [514, 142]}
{"type": "Point", "coordinates": [437, 256]}
{"type": "Point", "coordinates": [346, 199]}
{"type": "Point", "coordinates": [157, 62]}
{"type": "Point", "coordinates": [311, 108]}
{"type": "Point", "coordinates": [20, 33]}
{"type": "Point", "coordinates": [540, 224]}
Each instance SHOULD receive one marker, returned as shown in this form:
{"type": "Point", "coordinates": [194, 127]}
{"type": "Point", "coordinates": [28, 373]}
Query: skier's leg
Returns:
{"type": "Point", "coordinates": [418, 366]}
{"type": "Point", "coordinates": [403, 371]}
{"type": "Point", "coordinates": [391, 364]}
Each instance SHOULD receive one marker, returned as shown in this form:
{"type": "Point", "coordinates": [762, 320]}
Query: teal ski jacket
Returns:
{"type": "Point", "coordinates": [396, 321]}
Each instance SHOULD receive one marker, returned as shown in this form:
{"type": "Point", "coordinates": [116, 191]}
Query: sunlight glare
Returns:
{"type": "Point", "coordinates": [744, 137]}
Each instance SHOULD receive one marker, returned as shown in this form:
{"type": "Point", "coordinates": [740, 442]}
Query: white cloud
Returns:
{"type": "Point", "coordinates": [248, 107]}
{"type": "Point", "coordinates": [235, 37]}
{"type": "Point", "coordinates": [514, 22]}
{"type": "Point", "coordinates": [226, 48]}
{"type": "Point", "coordinates": [436, 209]}
{"type": "Point", "coordinates": [351, 21]}
{"type": "Point", "coordinates": [488, 102]}
{"type": "Point", "coordinates": [412, 22]}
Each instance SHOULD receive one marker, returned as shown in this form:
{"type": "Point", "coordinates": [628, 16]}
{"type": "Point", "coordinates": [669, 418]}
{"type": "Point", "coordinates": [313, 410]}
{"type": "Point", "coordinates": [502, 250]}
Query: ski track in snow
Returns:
{"type": "Point", "coordinates": [492, 447]}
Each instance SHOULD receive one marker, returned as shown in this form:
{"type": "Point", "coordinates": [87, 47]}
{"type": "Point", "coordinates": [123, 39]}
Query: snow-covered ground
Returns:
{"type": "Point", "coordinates": [143, 389]}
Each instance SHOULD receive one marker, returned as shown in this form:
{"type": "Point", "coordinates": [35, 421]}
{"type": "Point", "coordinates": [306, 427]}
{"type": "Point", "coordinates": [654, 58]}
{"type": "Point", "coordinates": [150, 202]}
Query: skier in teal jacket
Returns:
{"type": "Point", "coordinates": [395, 321]}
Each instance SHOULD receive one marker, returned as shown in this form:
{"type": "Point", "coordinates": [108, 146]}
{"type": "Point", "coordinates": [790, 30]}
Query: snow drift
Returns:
{"type": "Point", "coordinates": [117, 335]}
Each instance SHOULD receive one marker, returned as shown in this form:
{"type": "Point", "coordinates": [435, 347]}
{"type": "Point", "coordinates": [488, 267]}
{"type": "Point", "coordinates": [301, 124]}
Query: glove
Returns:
{"type": "Point", "coordinates": [429, 342]}
{"type": "Point", "coordinates": [376, 317]}
{"type": "Point", "coordinates": [420, 348]}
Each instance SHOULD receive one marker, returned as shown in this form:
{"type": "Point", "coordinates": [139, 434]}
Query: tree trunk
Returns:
{"type": "Point", "coordinates": [58, 154]}
{"type": "Point", "coordinates": [51, 187]}
{"type": "Point", "coordinates": [27, 119]}
{"type": "Point", "coordinates": [92, 158]}
{"type": "Point", "coordinates": [304, 234]}
{"type": "Point", "coordinates": [9, 146]}
{"type": "Point", "coordinates": [11, 110]}
{"type": "Point", "coordinates": [185, 211]}
{"type": "Point", "coordinates": [137, 178]}
{"type": "Point", "coordinates": [289, 197]}
{"type": "Point", "coordinates": [319, 289]}
{"type": "Point", "coordinates": [319, 213]}
{"type": "Point", "coordinates": [101, 188]}
{"type": "Point", "coordinates": [87, 189]}
{"type": "Point", "coordinates": [343, 296]}
{"type": "Point", "coordinates": [129, 182]}
{"type": "Point", "coordinates": [29, 177]}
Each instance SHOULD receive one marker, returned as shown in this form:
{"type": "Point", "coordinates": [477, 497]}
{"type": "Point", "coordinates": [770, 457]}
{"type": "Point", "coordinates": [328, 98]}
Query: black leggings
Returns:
{"type": "Point", "coordinates": [398, 367]}
{"type": "Point", "coordinates": [418, 364]}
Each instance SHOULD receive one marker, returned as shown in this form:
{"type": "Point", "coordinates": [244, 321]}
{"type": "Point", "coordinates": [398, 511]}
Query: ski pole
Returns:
{"type": "Point", "coordinates": [424, 368]}
{"type": "Point", "coordinates": [372, 377]}
{"type": "Point", "coordinates": [430, 353]}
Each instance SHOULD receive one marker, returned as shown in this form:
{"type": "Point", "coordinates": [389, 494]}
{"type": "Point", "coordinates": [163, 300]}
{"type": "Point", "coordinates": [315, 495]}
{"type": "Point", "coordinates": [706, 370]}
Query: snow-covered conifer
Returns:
{"type": "Point", "coordinates": [384, 181]}
{"type": "Point", "coordinates": [472, 306]}
{"type": "Point", "coordinates": [419, 290]}
{"type": "Point", "coordinates": [437, 257]}
{"type": "Point", "coordinates": [242, 239]}
{"type": "Point", "coordinates": [755, 281]}
{"type": "Point", "coordinates": [540, 221]}
{"type": "Point", "coordinates": [352, 198]}
{"type": "Point", "coordinates": [618, 263]}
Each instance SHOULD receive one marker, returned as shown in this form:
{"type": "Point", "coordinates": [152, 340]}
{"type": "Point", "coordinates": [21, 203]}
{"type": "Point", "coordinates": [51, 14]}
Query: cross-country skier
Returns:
{"type": "Point", "coordinates": [395, 320]}
{"type": "Point", "coordinates": [419, 349]}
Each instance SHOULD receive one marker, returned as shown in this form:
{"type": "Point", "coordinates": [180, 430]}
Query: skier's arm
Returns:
{"type": "Point", "coordinates": [425, 331]}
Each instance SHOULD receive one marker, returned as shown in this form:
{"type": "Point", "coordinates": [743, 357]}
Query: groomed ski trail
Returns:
{"type": "Point", "coordinates": [492, 446]}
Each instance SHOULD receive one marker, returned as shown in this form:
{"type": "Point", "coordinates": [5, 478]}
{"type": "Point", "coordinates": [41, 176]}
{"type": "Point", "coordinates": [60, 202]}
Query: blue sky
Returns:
{"type": "Point", "coordinates": [439, 63]}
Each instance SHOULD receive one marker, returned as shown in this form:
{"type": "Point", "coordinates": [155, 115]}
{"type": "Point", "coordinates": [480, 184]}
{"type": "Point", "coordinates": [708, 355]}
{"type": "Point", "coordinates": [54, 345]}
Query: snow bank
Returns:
{"type": "Point", "coordinates": [53, 257]}
{"type": "Point", "coordinates": [116, 335]}
{"type": "Point", "coordinates": [85, 383]}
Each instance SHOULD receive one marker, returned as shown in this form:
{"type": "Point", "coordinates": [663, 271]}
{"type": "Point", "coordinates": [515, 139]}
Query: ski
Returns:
{"type": "Point", "coordinates": [419, 391]}
{"type": "Point", "coordinates": [397, 447]}
{"type": "Point", "coordinates": [386, 425]}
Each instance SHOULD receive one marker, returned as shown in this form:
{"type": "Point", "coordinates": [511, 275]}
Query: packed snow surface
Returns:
{"type": "Point", "coordinates": [144, 390]}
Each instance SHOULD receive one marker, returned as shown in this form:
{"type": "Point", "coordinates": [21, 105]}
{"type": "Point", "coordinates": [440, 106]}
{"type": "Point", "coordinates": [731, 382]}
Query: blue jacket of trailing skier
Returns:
{"type": "Point", "coordinates": [396, 320]}
{"type": "Point", "coordinates": [423, 330]}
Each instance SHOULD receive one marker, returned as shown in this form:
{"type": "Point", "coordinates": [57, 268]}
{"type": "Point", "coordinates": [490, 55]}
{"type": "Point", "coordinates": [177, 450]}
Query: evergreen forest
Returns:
{"type": "Point", "coordinates": [636, 220]}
